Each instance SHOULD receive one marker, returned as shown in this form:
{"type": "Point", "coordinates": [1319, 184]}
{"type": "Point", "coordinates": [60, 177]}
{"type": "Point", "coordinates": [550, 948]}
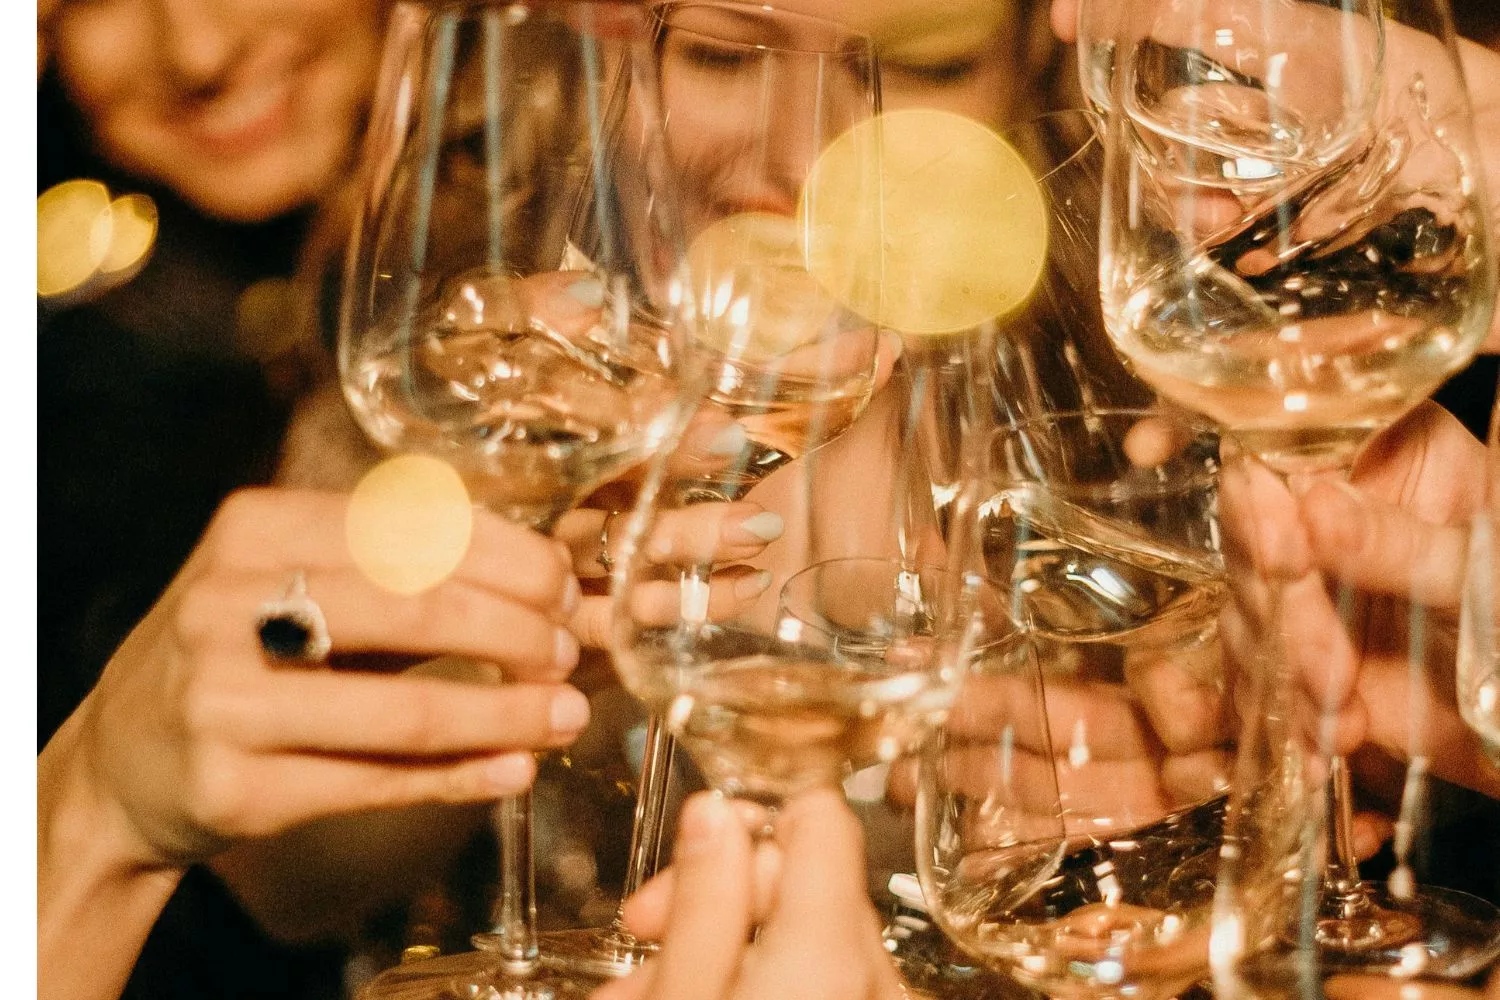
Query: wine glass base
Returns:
{"type": "Point", "coordinates": [1432, 932]}
{"type": "Point", "coordinates": [593, 953]}
{"type": "Point", "coordinates": [473, 975]}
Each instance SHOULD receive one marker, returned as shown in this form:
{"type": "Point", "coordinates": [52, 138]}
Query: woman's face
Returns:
{"type": "Point", "coordinates": [246, 108]}
{"type": "Point", "coordinates": [964, 56]}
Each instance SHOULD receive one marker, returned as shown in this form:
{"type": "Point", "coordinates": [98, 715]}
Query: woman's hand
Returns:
{"type": "Point", "coordinates": [819, 937]}
{"type": "Point", "coordinates": [1396, 532]}
{"type": "Point", "coordinates": [724, 535]}
{"type": "Point", "coordinates": [195, 738]}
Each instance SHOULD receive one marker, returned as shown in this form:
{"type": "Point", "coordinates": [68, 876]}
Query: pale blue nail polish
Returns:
{"type": "Point", "coordinates": [587, 292]}
{"type": "Point", "coordinates": [766, 526]}
{"type": "Point", "coordinates": [730, 441]}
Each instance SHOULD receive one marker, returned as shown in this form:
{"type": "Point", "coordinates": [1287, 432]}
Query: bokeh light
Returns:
{"type": "Point", "coordinates": [133, 233]}
{"type": "Point", "coordinates": [73, 229]}
{"type": "Point", "coordinates": [409, 523]}
{"type": "Point", "coordinates": [87, 242]}
{"type": "Point", "coordinates": [958, 232]}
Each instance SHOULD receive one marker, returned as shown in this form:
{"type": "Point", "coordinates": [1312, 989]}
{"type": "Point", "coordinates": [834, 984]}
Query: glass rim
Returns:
{"type": "Point", "coordinates": [895, 562]}
{"type": "Point", "coordinates": [629, 20]}
{"type": "Point", "coordinates": [847, 43]}
{"type": "Point", "coordinates": [1180, 416]}
{"type": "Point", "coordinates": [1089, 118]}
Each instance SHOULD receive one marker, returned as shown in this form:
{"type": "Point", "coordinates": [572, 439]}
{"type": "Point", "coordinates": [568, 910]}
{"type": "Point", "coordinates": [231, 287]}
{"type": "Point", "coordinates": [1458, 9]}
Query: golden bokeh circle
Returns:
{"type": "Point", "coordinates": [409, 523]}
{"type": "Point", "coordinates": [133, 233]}
{"type": "Point", "coordinates": [74, 228]}
{"type": "Point", "coordinates": [943, 213]}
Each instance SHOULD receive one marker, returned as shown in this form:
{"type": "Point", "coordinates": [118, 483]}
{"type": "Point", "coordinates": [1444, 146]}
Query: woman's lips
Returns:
{"type": "Point", "coordinates": [243, 121]}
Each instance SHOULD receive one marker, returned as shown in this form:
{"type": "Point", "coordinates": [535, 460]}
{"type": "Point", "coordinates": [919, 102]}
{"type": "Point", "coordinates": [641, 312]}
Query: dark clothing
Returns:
{"type": "Point", "coordinates": [149, 413]}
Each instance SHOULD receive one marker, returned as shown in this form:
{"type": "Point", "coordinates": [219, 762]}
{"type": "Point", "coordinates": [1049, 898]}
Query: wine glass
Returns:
{"type": "Point", "coordinates": [513, 305]}
{"type": "Point", "coordinates": [1069, 812]}
{"type": "Point", "coordinates": [1294, 244]}
{"type": "Point", "coordinates": [753, 95]}
{"type": "Point", "coordinates": [774, 703]}
{"type": "Point", "coordinates": [749, 92]}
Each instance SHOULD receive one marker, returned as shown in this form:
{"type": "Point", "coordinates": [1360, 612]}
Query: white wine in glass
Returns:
{"type": "Point", "coordinates": [513, 304]}
{"type": "Point", "coordinates": [1294, 242]}
{"type": "Point", "coordinates": [1065, 834]}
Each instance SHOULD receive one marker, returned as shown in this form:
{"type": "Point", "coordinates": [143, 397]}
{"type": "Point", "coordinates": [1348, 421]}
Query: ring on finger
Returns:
{"type": "Point", "coordinates": [604, 558]}
{"type": "Point", "coordinates": [291, 628]}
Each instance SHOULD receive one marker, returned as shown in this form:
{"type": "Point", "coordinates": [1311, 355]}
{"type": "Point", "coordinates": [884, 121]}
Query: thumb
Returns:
{"type": "Point", "coordinates": [712, 897]}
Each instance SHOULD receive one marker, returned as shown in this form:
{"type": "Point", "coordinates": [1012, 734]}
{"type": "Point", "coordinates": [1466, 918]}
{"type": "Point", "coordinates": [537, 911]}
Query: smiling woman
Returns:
{"type": "Point", "coordinates": [162, 390]}
{"type": "Point", "coordinates": [246, 109]}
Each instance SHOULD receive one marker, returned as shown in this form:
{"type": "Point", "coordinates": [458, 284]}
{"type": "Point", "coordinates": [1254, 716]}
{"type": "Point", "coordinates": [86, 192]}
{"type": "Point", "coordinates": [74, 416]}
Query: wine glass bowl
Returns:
{"type": "Point", "coordinates": [1070, 811]}
{"type": "Point", "coordinates": [754, 94]}
{"type": "Point", "coordinates": [502, 311]}
{"type": "Point", "coordinates": [836, 680]}
{"type": "Point", "coordinates": [1294, 237]}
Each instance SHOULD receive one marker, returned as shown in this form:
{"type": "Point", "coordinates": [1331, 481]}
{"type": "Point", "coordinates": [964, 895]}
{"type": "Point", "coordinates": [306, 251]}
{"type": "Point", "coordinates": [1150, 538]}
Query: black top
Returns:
{"type": "Point", "coordinates": [148, 414]}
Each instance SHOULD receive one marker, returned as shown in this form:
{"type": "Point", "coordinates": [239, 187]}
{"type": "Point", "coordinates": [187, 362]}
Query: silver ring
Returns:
{"type": "Point", "coordinates": [604, 557]}
{"type": "Point", "coordinates": [292, 627]}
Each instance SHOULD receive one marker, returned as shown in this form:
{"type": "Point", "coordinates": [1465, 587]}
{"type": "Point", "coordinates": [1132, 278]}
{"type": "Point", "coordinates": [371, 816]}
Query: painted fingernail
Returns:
{"type": "Point", "coordinates": [587, 292]}
{"type": "Point", "coordinates": [752, 586]}
{"type": "Point", "coordinates": [509, 772]}
{"type": "Point", "coordinates": [570, 711]}
{"type": "Point", "coordinates": [704, 820]}
{"type": "Point", "coordinates": [730, 441]}
{"type": "Point", "coordinates": [766, 526]}
{"type": "Point", "coordinates": [565, 649]}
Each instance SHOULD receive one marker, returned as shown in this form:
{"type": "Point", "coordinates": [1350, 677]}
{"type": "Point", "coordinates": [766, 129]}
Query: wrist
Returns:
{"type": "Point", "coordinates": [97, 891]}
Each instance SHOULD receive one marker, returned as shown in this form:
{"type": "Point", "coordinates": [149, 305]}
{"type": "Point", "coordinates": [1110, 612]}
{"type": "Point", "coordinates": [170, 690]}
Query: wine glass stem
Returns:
{"type": "Point", "coordinates": [515, 912]}
{"type": "Point", "coordinates": [1341, 874]}
{"type": "Point", "coordinates": [514, 937]}
{"type": "Point", "coordinates": [650, 807]}
{"type": "Point", "coordinates": [1345, 896]}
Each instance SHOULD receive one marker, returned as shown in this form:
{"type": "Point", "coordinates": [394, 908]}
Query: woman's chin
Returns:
{"type": "Point", "coordinates": [257, 191]}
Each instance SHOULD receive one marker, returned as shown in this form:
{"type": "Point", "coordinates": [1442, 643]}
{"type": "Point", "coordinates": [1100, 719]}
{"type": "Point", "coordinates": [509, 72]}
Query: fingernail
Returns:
{"type": "Point", "coordinates": [570, 711]}
{"type": "Point", "coordinates": [704, 819]}
{"type": "Point", "coordinates": [766, 526]}
{"type": "Point", "coordinates": [587, 292]}
{"type": "Point", "coordinates": [752, 586]}
{"type": "Point", "coordinates": [565, 649]}
{"type": "Point", "coordinates": [572, 596]}
{"type": "Point", "coordinates": [510, 772]}
{"type": "Point", "coordinates": [729, 441]}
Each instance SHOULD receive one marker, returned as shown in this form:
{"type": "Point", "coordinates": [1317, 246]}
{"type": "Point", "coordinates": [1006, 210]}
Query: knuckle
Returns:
{"type": "Point", "coordinates": [206, 710]}
{"type": "Point", "coordinates": [233, 526]}
{"type": "Point", "coordinates": [216, 789]}
{"type": "Point", "coordinates": [591, 624]}
{"type": "Point", "coordinates": [417, 725]}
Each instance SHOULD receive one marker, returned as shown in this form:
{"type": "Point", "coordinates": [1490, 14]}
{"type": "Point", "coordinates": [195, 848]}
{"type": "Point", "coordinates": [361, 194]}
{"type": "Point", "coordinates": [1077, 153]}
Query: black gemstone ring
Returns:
{"type": "Point", "coordinates": [292, 628]}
